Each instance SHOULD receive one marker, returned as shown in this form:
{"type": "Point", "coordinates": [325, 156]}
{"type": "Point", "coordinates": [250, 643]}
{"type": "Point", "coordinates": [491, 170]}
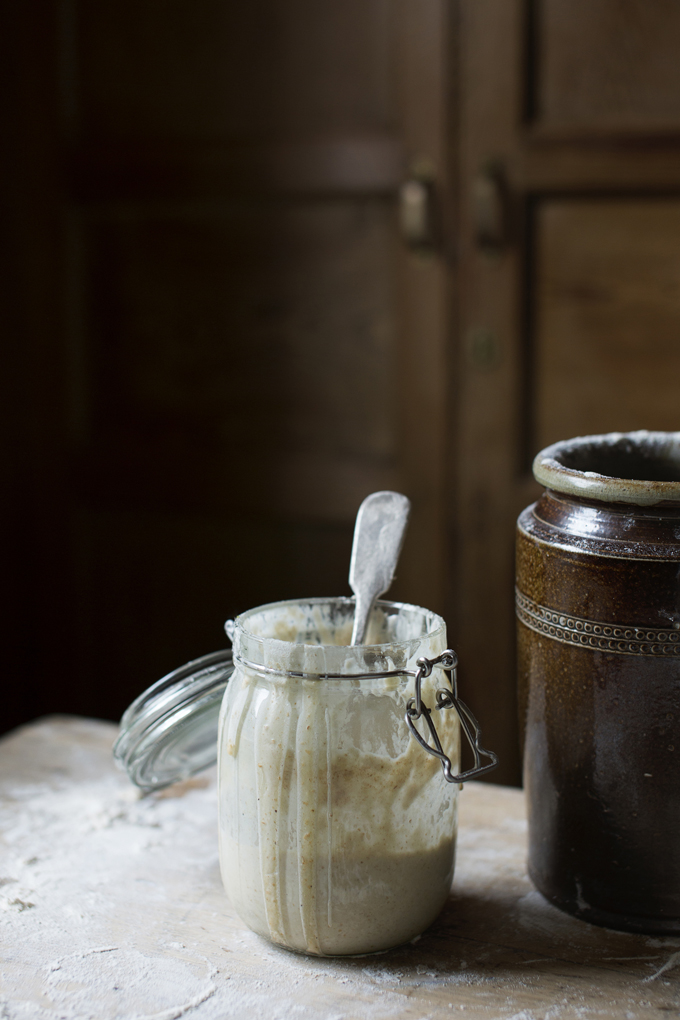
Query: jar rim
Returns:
{"type": "Point", "coordinates": [641, 468]}
{"type": "Point", "coordinates": [170, 731]}
{"type": "Point", "coordinates": [344, 601]}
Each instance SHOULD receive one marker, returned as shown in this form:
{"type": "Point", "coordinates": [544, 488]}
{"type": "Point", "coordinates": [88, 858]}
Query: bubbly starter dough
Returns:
{"type": "Point", "coordinates": [337, 830]}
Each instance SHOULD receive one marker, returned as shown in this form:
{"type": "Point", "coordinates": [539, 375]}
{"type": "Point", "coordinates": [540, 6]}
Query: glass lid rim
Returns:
{"type": "Point", "coordinates": [143, 702]}
{"type": "Point", "coordinates": [147, 719]}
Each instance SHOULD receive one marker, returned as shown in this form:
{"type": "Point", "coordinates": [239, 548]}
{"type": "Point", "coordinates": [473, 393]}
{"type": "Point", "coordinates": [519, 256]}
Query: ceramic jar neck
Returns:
{"type": "Point", "coordinates": [611, 528]}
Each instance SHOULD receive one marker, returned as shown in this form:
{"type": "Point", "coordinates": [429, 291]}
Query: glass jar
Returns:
{"type": "Point", "coordinates": [337, 831]}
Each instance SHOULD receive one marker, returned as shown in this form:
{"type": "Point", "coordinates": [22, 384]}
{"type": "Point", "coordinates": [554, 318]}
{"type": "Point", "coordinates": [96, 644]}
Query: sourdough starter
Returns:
{"type": "Point", "coordinates": [337, 830]}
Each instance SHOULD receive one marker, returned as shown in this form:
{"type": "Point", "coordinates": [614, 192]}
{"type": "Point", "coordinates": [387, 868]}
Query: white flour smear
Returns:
{"type": "Point", "coordinates": [112, 908]}
{"type": "Point", "coordinates": [111, 904]}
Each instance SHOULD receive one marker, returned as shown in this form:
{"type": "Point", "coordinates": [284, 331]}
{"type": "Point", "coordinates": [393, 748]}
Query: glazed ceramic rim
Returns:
{"type": "Point", "coordinates": [550, 469]}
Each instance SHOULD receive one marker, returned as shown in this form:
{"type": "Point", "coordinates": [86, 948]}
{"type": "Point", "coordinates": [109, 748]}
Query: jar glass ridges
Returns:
{"type": "Point", "coordinates": [337, 832]}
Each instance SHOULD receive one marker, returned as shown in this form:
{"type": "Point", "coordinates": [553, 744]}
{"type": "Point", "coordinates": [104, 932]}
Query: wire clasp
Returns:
{"type": "Point", "coordinates": [447, 697]}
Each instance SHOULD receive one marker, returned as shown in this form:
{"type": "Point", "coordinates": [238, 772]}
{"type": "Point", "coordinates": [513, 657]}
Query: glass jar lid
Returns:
{"type": "Point", "coordinates": [170, 731]}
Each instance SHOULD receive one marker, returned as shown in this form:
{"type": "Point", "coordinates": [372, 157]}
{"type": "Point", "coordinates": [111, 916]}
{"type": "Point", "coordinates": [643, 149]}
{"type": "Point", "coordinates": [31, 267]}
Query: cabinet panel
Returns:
{"type": "Point", "coordinates": [209, 378]}
{"type": "Point", "coordinates": [607, 64]}
{"type": "Point", "coordinates": [196, 69]}
{"type": "Point", "coordinates": [154, 589]}
{"type": "Point", "coordinates": [225, 435]}
{"type": "Point", "coordinates": [571, 323]}
{"type": "Point", "coordinates": [220, 356]}
{"type": "Point", "coordinates": [607, 342]}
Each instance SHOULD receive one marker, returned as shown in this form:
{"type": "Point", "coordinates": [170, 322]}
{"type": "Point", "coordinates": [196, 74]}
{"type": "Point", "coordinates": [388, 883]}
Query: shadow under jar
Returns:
{"type": "Point", "coordinates": [598, 607]}
{"type": "Point", "coordinates": [337, 832]}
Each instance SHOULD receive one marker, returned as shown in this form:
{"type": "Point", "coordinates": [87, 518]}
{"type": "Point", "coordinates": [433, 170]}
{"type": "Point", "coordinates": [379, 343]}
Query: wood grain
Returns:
{"type": "Point", "coordinates": [422, 51]}
{"type": "Point", "coordinates": [607, 65]}
{"type": "Point", "coordinates": [204, 311]}
{"type": "Point", "coordinates": [490, 472]}
{"type": "Point", "coordinates": [608, 316]}
{"type": "Point", "coordinates": [118, 908]}
{"type": "Point", "coordinates": [574, 106]}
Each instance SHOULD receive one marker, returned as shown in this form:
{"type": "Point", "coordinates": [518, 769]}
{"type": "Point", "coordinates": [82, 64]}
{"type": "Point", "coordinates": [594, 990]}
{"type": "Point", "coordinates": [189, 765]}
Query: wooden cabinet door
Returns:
{"type": "Point", "coordinates": [569, 274]}
{"type": "Point", "coordinates": [221, 346]}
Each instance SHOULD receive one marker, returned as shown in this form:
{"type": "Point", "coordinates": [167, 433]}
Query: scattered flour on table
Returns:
{"type": "Point", "coordinates": [111, 908]}
{"type": "Point", "coordinates": [111, 904]}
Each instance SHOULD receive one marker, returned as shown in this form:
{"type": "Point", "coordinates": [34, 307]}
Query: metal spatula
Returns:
{"type": "Point", "coordinates": [378, 538]}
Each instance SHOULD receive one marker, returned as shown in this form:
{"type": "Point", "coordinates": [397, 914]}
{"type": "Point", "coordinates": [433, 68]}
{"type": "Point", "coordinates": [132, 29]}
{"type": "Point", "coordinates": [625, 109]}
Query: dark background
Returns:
{"type": "Point", "coordinates": [200, 361]}
{"type": "Point", "coordinates": [217, 338]}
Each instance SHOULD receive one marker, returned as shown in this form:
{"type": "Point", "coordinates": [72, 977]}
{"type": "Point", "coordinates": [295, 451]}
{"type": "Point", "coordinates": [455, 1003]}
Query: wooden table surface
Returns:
{"type": "Point", "coordinates": [112, 906]}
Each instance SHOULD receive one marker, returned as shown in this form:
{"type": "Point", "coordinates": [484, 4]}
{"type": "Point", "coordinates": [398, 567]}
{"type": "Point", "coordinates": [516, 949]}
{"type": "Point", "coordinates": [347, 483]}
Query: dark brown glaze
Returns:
{"type": "Point", "coordinates": [602, 728]}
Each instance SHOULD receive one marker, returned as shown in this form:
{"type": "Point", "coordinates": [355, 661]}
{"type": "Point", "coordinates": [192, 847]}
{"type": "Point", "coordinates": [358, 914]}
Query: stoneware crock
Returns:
{"type": "Point", "coordinates": [598, 607]}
